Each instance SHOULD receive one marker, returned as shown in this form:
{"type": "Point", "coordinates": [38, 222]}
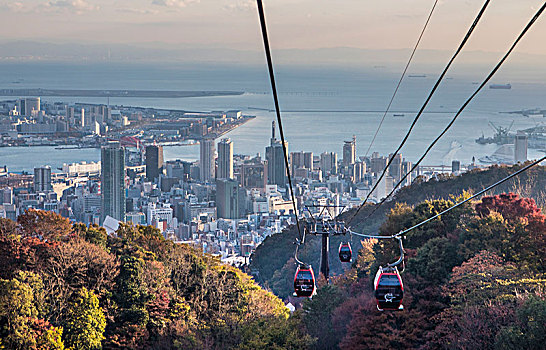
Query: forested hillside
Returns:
{"type": "Point", "coordinates": [69, 286]}
{"type": "Point", "coordinates": [474, 279]}
{"type": "Point", "coordinates": [273, 262]}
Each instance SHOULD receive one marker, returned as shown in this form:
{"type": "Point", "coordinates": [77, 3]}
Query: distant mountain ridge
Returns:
{"type": "Point", "coordinates": [159, 52]}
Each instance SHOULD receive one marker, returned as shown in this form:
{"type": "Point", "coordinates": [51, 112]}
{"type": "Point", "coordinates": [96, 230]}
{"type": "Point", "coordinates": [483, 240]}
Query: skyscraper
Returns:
{"type": "Point", "coordinates": [225, 159]}
{"type": "Point", "coordinates": [154, 161]}
{"type": "Point", "coordinates": [395, 169]}
{"type": "Point", "coordinates": [207, 164]}
{"type": "Point", "coordinates": [301, 160]}
{"type": "Point", "coordinates": [520, 149]}
{"type": "Point", "coordinates": [227, 198]}
{"type": "Point", "coordinates": [254, 174]}
{"type": "Point", "coordinates": [328, 162]}
{"type": "Point", "coordinates": [42, 179]}
{"type": "Point", "coordinates": [113, 181]}
{"type": "Point", "coordinates": [349, 152]}
{"type": "Point", "coordinates": [276, 166]}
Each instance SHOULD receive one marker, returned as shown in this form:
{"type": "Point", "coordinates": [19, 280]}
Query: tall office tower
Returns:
{"type": "Point", "coordinates": [276, 166]}
{"type": "Point", "coordinates": [378, 163]}
{"type": "Point", "coordinates": [42, 179]}
{"type": "Point", "coordinates": [520, 151]}
{"type": "Point", "coordinates": [113, 181]}
{"type": "Point", "coordinates": [395, 169]}
{"type": "Point", "coordinates": [349, 152]}
{"type": "Point", "coordinates": [254, 175]}
{"type": "Point", "coordinates": [154, 162]}
{"type": "Point", "coordinates": [225, 159]}
{"type": "Point", "coordinates": [455, 167]}
{"type": "Point", "coordinates": [406, 168]}
{"type": "Point", "coordinates": [6, 196]}
{"type": "Point", "coordinates": [359, 169]}
{"type": "Point", "coordinates": [27, 105]}
{"type": "Point", "coordinates": [22, 107]}
{"type": "Point", "coordinates": [328, 162]}
{"type": "Point", "coordinates": [70, 115]}
{"type": "Point", "coordinates": [82, 120]}
{"type": "Point", "coordinates": [206, 158]}
{"type": "Point", "coordinates": [301, 160]}
{"type": "Point", "coordinates": [227, 198]}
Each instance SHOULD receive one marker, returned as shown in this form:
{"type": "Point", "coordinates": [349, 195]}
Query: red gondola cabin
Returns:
{"type": "Point", "coordinates": [304, 281]}
{"type": "Point", "coordinates": [345, 252]}
{"type": "Point", "coordinates": [389, 289]}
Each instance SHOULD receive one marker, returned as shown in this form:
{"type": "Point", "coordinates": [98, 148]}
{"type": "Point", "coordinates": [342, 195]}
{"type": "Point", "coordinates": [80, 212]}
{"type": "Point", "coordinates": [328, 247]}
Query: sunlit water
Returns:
{"type": "Point", "coordinates": [300, 89]}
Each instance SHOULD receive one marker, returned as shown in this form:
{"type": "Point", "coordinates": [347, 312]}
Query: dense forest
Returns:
{"type": "Point", "coordinates": [474, 278]}
{"type": "Point", "coordinates": [65, 286]}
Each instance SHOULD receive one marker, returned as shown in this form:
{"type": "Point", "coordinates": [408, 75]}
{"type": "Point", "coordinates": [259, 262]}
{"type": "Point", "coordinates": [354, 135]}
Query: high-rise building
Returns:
{"type": "Point", "coordinates": [359, 170]}
{"type": "Point", "coordinates": [22, 107]}
{"type": "Point", "coordinates": [328, 163]}
{"type": "Point", "coordinates": [301, 160]}
{"type": "Point", "coordinates": [206, 159]}
{"type": "Point", "coordinates": [276, 165]}
{"type": "Point", "coordinates": [82, 120]}
{"type": "Point", "coordinates": [154, 162]}
{"type": "Point", "coordinates": [179, 169]}
{"type": "Point", "coordinates": [254, 174]}
{"type": "Point", "coordinates": [395, 169]}
{"type": "Point", "coordinates": [27, 105]}
{"type": "Point", "coordinates": [227, 198]}
{"type": "Point", "coordinates": [406, 168]}
{"type": "Point", "coordinates": [113, 181]}
{"type": "Point", "coordinates": [70, 115]}
{"type": "Point", "coordinates": [378, 163]}
{"type": "Point", "coordinates": [225, 159]}
{"type": "Point", "coordinates": [520, 149]}
{"type": "Point", "coordinates": [42, 179]}
{"type": "Point", "coordinates": [6, 196]}
{"type": "Point", "coordinates": [349, 152]}
{"type": "Point", "coordinates": [455, 167]}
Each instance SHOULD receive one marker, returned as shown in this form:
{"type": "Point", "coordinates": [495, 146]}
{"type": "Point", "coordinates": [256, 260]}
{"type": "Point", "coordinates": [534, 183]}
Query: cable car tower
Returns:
{"type": "Point", "coordinates": [325, 225]}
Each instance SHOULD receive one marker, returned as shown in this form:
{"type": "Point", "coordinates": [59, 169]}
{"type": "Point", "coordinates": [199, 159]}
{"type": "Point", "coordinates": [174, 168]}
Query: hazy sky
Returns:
{"type": "Point", "coordinates": [374, 24]}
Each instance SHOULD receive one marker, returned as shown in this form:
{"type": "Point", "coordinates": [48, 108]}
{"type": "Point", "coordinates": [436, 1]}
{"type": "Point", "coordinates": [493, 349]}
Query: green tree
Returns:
{"type": "Point", "coordinates": [318, 316]}
{"type": "Point", "coordinates": [20, 307]}
{"type": "Point", "coordinates": [85, 322]}
{"type": "Point", "coordinates": [130, 294]}
{"type": "Point", "coordinates": [528, 331]}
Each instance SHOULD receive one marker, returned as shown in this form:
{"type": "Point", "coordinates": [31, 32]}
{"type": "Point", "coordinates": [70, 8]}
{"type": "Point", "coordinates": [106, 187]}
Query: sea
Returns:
{"type": "Point", "coordinates": [321, 106]}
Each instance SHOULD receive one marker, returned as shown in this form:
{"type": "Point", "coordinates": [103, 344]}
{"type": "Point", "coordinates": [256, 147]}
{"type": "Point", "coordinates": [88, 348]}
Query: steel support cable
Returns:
{"type": "Point", "coordinates": [482, 85]}
{"type": "Point", "coordinates": [402, 77]}
{"type": "Point", "coordinates": [277, 109]}
{"type": "Point", "coordinates": [399, 234]}
{"type": "Point", "coordinates": [436, 85]}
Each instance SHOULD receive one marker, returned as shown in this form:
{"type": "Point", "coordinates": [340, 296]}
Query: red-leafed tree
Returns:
{"type": "Point", "coordinates": [44, 224]}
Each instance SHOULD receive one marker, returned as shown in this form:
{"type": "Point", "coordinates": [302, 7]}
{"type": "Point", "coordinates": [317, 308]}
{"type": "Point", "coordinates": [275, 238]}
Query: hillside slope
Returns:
{"type": "Point", "coordinates": [272, 261]}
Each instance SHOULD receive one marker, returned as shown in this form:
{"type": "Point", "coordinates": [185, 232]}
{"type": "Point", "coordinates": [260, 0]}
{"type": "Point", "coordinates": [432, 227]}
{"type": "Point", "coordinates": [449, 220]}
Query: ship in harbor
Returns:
{"type": "Point", "coordinates": [536, 136]}
{"type": "Point", "coordinates": [501, 86]}
{"type": "Point", "coordinates": [502, 136]}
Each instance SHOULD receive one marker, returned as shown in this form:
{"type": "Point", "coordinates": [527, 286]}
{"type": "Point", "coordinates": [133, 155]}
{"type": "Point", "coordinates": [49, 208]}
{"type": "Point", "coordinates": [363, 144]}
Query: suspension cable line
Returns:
{"type": "Point", "coordinates": [403, 232]}
{"type": "Point", "coordinates": [482, 85]}
{"type": "Point", "coordinates": [277, 109]}
{"type": "Point", "coordinates": [436, 85]}
{"type": "Point", "coordinates": [402, 77]}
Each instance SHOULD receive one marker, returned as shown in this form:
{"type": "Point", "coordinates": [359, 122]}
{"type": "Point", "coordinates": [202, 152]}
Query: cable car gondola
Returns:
{"type": "Point", "coordinates": [304, 281]}
{"type": "Point", "coordinates": [345, 252]}
{"type": "Point", "coordinates": [389, 289]}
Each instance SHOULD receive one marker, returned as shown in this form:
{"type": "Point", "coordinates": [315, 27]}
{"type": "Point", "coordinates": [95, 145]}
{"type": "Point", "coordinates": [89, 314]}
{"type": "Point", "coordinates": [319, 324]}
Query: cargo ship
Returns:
{"type": "Point", "coordinates": [500, 86]}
